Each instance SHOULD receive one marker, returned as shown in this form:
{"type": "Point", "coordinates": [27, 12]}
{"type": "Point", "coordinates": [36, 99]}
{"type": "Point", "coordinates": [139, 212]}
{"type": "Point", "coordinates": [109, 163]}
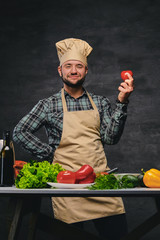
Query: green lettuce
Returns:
{"type": "Point", "coordinates": [37, 174]}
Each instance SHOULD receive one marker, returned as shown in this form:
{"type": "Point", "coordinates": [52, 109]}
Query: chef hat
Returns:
{"type": "Point", "coordinates": [73, 49]}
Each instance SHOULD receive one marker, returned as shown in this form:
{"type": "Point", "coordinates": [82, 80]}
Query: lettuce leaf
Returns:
{"type": "Point", "coordinates": [37, 174]}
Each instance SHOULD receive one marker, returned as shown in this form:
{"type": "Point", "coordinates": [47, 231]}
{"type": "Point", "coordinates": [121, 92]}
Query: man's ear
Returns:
{"type": "Point", "coordinates": [60, 71]}
{"type": "Point", "coordinates": [86, 70]}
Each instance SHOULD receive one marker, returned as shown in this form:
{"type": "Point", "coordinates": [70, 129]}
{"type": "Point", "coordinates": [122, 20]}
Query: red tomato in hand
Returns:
{"type": "Point", "coordinates": [124, 76]}
{"type": "Point", "coordinates": [66, 177]}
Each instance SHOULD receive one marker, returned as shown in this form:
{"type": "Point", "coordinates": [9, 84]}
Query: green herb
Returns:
{"type": "Point", "coordinates": [112, 181]}
{"type": "Point", "coordinates": [105, 182]}
{"type": "Point", "coordinates": [37, 174]}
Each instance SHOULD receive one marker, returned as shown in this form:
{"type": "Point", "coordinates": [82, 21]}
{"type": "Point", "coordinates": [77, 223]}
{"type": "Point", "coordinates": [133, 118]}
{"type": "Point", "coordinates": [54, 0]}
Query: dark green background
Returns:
{"type": "Point", "coordinates": [124, 35]}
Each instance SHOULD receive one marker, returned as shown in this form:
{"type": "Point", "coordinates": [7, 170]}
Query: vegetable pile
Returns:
{"type": "Point", "coordinates": [37, 174]}
{"type": "Point", "coordinates": [110, 181]}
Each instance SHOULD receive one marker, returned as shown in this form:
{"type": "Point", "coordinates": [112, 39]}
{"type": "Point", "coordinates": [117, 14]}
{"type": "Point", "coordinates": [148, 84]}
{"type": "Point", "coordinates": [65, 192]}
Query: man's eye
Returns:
{"type": "Point", "coordinates": [79, 66]}
{"type": "Point", "coordinates": [68, 66]}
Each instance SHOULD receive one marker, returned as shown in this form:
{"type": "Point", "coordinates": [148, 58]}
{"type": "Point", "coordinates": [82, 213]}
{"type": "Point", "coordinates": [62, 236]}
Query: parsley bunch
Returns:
{"type": "Point", "coordinates": [105, 182]}
{"type": "Point", "coordinates": [37, 174]}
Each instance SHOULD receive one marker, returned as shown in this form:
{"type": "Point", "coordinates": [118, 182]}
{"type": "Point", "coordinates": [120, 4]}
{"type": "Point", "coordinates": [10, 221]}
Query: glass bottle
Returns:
{"type": "Point", "coordinates": [7, 161]}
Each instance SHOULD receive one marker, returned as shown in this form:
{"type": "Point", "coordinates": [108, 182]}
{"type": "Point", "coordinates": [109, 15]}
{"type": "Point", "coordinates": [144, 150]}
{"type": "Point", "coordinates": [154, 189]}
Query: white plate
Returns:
{"type": "Point", "coordinates": [67, 186]}
{"type": "Point", "coordinates": [123, 174]}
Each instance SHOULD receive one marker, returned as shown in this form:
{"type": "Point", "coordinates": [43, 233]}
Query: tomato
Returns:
{"type": "Point", "coordinates": [101, 173]}
{"type": "Point", "coordinates": [124, 76]}
{"type": "Point", "coordinates": [104, 173]}
{"type": "Point", "coordinates": [84, 172]}
{"type": "Point", "coordinates": [66, 177]}
{"type": "Point", "coordinates": [89, 179]}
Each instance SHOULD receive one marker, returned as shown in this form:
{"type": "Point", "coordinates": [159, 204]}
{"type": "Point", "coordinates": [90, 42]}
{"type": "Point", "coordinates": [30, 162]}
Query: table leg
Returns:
{"type": "Point", "coordinates": [34, 218]}
{"type": "Point", "coordinates": [142, 229]}
{"type": "Point", "coordinates": [15, 224]}
{"type": "Point", "coordinates": [21, 207]}
{"type": "Point", "coordinates": [146, 226]}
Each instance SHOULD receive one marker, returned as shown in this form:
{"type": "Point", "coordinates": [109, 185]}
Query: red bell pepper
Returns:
{"type": "Point", "coordinates": [83, 172]}
{"type": "Point", "coordinates": [18, 166]}
{"type": "Point", "coordinates": [89, 179]}
{"type": "Point", "coordinates": [66, 177]}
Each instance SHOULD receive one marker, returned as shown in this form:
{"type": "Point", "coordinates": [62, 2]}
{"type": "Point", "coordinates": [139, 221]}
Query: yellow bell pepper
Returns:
{"type": "Point", "coordinates": [151, 178]}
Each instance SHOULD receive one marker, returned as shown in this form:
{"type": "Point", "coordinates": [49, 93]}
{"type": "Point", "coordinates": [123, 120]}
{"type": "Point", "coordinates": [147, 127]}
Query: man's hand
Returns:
{"type": "Point", "coordinates": [126, 88]}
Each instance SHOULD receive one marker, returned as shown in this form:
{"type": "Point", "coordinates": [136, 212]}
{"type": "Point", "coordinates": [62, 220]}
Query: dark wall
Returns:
{"type": "Point", "coordinates": [124, 35]}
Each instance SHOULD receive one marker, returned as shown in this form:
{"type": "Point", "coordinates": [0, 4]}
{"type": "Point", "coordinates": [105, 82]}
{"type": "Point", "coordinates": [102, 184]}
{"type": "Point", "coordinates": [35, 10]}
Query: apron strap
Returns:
{"type": "Point", "coordinates": [64, 101]}
{"type": "Point", "coordinates": [92, 102]}
{"type": "Point", "coordinates": [65, 105]}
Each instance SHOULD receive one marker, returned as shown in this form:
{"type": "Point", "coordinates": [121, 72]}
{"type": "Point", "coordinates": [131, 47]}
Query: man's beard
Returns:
{"type": "Point", "coordinates": [73, 85]}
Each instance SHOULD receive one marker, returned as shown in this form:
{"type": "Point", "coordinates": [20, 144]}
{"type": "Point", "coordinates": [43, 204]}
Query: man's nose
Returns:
{"type": "Point", "coordinates": [73, 70]}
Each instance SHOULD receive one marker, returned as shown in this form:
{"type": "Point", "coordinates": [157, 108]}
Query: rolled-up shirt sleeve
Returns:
{"type": "Point", "coordinates": [24, 132]}
{"type": "Point", "coordinates": [112, 121]}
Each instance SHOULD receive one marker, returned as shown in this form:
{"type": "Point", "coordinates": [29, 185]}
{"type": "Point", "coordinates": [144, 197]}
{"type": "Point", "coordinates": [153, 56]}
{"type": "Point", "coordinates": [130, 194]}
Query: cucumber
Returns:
{"type": "Point", "coordinates": [140, 179]}
{"type": "Point", "coordinates": [129, 181]}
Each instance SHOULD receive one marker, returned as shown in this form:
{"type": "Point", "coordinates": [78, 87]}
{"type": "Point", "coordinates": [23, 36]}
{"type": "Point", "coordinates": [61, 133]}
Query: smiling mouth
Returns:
{"type": "Point", "coordinates": [74, 76]}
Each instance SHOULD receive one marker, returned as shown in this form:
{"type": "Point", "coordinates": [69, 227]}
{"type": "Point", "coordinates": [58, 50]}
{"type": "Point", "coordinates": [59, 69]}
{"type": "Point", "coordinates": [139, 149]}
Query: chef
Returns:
{"type": "Point", "coordinates": [78, 124]}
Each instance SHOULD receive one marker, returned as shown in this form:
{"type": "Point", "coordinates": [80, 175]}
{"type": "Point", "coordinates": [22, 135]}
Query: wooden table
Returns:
{"type": "Point", "coordinates": [23, 196]}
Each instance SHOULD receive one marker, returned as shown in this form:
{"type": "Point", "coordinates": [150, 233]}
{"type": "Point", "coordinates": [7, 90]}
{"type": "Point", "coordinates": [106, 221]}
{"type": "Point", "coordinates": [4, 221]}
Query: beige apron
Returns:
{"type": "Point", "coordinates": [81, 144]}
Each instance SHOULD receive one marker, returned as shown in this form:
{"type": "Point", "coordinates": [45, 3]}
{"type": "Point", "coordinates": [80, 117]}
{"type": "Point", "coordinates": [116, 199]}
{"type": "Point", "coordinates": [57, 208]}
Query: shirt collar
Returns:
{"type": "Point", "coordinates": [83, 94]}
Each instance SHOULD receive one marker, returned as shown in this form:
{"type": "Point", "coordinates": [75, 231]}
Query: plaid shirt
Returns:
{"type": "Point", "coordinates": [49, 113]}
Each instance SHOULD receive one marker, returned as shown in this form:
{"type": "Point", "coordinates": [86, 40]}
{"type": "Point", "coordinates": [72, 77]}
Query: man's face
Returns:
{"type": "Point", "coordinates": [73, 73]}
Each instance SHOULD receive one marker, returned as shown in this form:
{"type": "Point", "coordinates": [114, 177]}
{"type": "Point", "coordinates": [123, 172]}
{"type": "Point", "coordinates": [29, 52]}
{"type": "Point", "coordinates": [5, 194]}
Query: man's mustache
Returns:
{"type": "Point", "coordinates": [73, 74]}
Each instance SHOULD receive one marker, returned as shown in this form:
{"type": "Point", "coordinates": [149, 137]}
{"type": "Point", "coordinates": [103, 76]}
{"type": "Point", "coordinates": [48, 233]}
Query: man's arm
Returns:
{"type": "Point", "coordinates": [24, 133]}
{"type": "Point", "coordinates": [112, 123]}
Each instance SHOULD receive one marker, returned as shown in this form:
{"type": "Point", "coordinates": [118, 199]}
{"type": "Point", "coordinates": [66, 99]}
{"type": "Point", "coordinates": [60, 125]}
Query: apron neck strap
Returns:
{"type": "Point", "coordinates": [64, 101]}
{"type": "Point", "coordinates": [65, 105]}
{"type": "Point", "coordinates": [92, 102]}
